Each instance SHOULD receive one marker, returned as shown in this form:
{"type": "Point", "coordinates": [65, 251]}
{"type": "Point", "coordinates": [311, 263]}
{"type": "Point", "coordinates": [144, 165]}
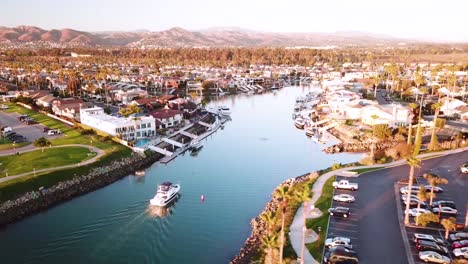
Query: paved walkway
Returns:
{"type": "Point", "coordinates": [30, 148]}
{"type": "Point", "coordinates": [295, 234]}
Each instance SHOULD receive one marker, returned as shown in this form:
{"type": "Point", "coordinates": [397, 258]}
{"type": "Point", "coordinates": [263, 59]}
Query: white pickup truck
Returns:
{"type": "Point", "coordinates": [345, 184]}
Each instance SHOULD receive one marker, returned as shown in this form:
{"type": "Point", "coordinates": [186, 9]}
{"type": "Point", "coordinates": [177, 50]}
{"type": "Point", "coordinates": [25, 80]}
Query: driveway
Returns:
{"type": "Point", "coordinates": [373, 225]}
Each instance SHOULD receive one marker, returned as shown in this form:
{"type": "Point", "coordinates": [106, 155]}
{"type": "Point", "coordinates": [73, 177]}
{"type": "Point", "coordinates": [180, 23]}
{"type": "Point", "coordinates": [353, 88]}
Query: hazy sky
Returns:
{"type": "Point", "coordinates": [445, 20]}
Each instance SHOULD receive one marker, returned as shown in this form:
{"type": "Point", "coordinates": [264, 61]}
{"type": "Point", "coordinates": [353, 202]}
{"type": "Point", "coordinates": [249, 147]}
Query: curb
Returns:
{"type": "Point", "coordinates": [404, 235]}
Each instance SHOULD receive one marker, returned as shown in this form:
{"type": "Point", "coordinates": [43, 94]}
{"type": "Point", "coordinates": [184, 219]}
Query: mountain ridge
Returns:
{"type": "Point", "coordinates": [180, 37]}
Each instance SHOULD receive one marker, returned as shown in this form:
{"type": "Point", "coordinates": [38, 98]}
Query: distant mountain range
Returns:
{"type": "Point", "coordinates": [179, 37]}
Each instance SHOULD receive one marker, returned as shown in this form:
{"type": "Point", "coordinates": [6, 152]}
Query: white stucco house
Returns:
{"type": "Point", "coordinates": [126, 128]}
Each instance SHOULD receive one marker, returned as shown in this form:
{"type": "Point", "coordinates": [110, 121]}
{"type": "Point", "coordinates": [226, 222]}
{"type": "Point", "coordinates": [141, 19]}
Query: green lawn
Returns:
{"type": "Point", "coordinates": [323, 203]}
{"type": "Point", "coordinates": [49, 158]}
{"type": "Point", "coordinates": [5, 144]}
{"type": "Point", "coordinates": [359, 171]}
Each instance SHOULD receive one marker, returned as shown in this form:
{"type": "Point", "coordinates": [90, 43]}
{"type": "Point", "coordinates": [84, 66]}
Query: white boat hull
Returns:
{"type": "Point", "coordinates": [156, 201]}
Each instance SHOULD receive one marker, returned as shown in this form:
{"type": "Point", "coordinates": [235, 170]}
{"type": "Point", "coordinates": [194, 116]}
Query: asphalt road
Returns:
{"type": "Point", "coordinates": [373, 225]}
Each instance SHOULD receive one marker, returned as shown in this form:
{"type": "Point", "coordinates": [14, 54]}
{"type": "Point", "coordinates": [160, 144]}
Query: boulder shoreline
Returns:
{"type": "Point", "coordinates": [36, 201]}
{"type": "Point", "coordinates": [253, 242]}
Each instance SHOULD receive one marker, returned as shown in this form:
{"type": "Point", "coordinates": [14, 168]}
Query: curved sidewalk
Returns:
{"type": "Point", "coordinates": [99, 153]}
{"type": "Point", "coordinates": [295, 234]}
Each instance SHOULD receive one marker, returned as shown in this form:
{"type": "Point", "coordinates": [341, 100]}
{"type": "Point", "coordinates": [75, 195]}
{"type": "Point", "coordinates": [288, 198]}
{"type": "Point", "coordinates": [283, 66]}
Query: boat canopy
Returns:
{"type": "Point", "coordinates": [165, 186]}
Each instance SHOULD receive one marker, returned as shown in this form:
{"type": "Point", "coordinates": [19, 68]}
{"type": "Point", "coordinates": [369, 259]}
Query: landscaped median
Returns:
{"type": "Point", "coordinates": [323, 203]}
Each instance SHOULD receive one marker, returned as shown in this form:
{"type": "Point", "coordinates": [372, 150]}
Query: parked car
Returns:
{"type": "Point", "coordinates": [345, 184]}
{"type": "Point", "coordinates": [404, 197]}
{"type": "Point", "coordinates": [45, 129]}
{"type": "Point", "coordinates": [460, 244]}
{"type": "Point", "coordinates": [2, 106]}
{"type": "Point", "coordinates": [442, 203]}
{"type": "Point", "coordinates": [444, 210]}
{"type": "Point", "coordinates": [414, 190]}
{"type": "Point", "coordinates": [340, 255]}
{"type": "Point", "coordinates": [464, 168]}
{"type": "Point", "coordinates": [54, 132]}
{"type": "Point", "coordinates": [431, 246]}
{"type": "Point", "coordinates": [418, 236]}
{"type": "Point", "coordinates": [31, 122]}
{"type": "Point", "coordinates": [434, 257]}
{"type": "Point", "coordinates": [344, 198]}
{"type": "Point", "coordinates": [437, 189]}
{"type": "Point", "coordinates": [339, 211]}
{"type": "Point", "coordinates": [461, 252]}
{"type": "Point", "coordinates": [22, 117]}
{"type": "Point", "coordinates": [414, 202]}
{"type": "Point", "coordinates": [416, 212]}
{"type": "Point", "coordinates": [338, 241]}
{"type": "Point", "coordinates": [458, 236]}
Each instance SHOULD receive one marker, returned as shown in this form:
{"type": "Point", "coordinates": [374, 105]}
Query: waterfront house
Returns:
{"type": "Point", "coordinates": [68, 107]}
{"type": "Point", "coordinates": [125, 128]}
{"type": "Point", "coordinates": [450, 105]}
{"type": "Point", "coordinates": [45, 101]}
{"type": "Point", "coordinates": [167, 117]}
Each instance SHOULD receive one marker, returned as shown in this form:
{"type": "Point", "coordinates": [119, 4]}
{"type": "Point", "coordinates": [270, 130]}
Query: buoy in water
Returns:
{"type": "Point", "coordinates": [202, 198]}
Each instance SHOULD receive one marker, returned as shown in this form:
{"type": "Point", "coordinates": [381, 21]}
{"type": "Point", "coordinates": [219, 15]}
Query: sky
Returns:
{"type": "Point", "coordinates": [414, 19]}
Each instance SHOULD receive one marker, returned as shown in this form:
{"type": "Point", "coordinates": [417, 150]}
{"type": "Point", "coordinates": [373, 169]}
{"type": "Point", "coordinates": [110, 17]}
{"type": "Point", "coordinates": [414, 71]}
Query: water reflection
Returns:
{"type": "Point", "coordinates": [158, 211]}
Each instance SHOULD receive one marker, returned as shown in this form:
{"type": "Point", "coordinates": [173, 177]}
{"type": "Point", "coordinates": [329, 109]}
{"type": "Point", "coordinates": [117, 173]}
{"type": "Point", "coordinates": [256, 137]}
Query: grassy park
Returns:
{"type": "Point", "coordinates": [53, 157]}
{"type": "Point", "coordinates": [42, 159]}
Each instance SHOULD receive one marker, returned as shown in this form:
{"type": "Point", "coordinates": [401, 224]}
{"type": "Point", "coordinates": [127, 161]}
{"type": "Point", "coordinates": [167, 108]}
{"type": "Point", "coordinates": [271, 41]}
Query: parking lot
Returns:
{"type": "Point", "coordinates": [30, 132]}
{"type": "Point", "coordinates": [456, 190]}
{"type": "Point", "coordinates": [373, 225]}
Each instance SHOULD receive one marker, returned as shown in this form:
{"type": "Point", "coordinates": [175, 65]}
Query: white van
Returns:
{"type": "Point", "coordinates": [6, 130]}
{"type": "Point", "coordinates": [54, 132]}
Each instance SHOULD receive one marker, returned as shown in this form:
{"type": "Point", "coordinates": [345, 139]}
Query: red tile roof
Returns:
{"type": "Point", "coordinates": [165, 113]}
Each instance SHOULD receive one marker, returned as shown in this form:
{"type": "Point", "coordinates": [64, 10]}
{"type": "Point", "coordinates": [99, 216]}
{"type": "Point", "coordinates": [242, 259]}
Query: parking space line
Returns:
{"type": "Point", "coordinates": [345, 230]}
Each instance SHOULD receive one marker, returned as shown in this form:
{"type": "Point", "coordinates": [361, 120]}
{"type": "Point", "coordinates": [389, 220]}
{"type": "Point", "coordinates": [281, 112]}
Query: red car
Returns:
{"type": "Point", "coordinates": [460, 244]}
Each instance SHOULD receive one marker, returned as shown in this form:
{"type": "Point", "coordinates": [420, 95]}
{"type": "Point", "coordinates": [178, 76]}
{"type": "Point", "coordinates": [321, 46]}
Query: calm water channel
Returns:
{"type": "Point", "coordinates": [236, 171]}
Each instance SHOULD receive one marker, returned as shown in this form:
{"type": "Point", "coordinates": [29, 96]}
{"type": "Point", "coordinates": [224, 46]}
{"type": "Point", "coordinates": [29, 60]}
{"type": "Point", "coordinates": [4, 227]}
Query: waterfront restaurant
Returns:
{"type": "Point", "coordinates": [126, 128]}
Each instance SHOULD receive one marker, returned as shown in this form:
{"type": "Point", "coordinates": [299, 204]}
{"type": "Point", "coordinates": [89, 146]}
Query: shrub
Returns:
{"type": "Point", "coordinates": [382, 131]}
{"type": "Point", "coordinates": [41, 142]}
{"type": "Point", "coordinates": [425, 219]}
{"type": "Point", "coordinates": [349, 122]}
{"type": "Point", "coordinates": [87, 132]}
{"type": "Point", "coordinates": [336, 166]}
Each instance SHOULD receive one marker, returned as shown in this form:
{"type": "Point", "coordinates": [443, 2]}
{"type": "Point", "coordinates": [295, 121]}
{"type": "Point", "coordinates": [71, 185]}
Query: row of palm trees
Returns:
{"type": "Point", "coordinates": [272, 242]}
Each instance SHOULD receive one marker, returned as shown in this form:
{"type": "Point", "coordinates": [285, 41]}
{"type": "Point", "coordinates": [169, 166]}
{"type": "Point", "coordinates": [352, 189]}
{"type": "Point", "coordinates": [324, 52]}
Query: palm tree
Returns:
{"type": "Point", "coordinates": [434, 180]}
{"type": "Point", "coordinates": [303, 195]}
{"type": "Point", "coordinates": [433, 145]}
{"type": "Point", "coordinates": [270, 221]}
{"type": "Point", "coordinates": [449, 225]}
{"type": "Point", "coordinates": [422, 197]}
{"type": "Point", "coordinates": [412, 162]}
{"type": "Point", "coordinates": [282, 194]}
{"type": "Point", "coordinates": [412, 106]}
{"type": "Point", "coordinates": [270, 243]}
{"type": "Point", "coordinates": [374, 117]}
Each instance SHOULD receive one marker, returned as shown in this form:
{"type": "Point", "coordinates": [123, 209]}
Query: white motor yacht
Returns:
{"type": "Point", "coordinates": [166, 193]}
{"type": "Point", "coordinates": [299, 122]}
{"type": "Point", "coordinates": [224, 110]}
{"type": "Point", "coordinates": [195, 146]}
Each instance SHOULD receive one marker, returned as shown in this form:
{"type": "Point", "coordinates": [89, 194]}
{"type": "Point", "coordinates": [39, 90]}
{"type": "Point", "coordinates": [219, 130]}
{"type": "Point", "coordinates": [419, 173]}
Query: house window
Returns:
{"type": "Point", "coordinates": [138, 134]}
{"type": "Point", "coordinates": [143, 125]}
{"type": "Point", "coordinates": [137, 126]}
{"type": "Point", "coordinates": [149, 125]}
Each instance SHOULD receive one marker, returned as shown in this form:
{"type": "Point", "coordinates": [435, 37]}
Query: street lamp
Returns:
{"type": "Point", "coordinates": [14, 147]}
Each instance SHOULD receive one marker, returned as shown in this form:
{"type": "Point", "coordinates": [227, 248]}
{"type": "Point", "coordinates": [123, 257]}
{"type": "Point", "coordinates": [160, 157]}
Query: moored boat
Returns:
{"type": "Point", "coordinates": [166, 193]}
{"type": "Point", "coordinates": [224, 110]}
{"type": "Point", "coordinates": [299, 122]}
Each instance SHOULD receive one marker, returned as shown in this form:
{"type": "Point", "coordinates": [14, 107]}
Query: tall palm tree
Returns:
{"type": "Point", "coordinates": [303, 195]}
{"type": "Point", "coordinates": [433, 145]}
{"type": "Point", "coordinates": [449, 225]}
{"type": "Point", "coordinates": [270, 221]}
{"type": "Point", "coordinates": [283, 195]}
{"type": "Point", "coordinates": [422, 197]}
{"type": "Point", "coordinates": [434, 180]}
{"type": "Point", "coordinates": [374, 117]}
{"type": "Point", "coordinates": [270, 243]}
{"type": "Point", "coordinates": [412, 162]}
{"type": "Point", "coordinates": [412, 106]}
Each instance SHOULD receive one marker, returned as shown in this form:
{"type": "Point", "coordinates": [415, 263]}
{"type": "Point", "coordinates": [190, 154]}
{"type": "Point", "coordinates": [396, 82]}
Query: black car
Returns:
{"type": "Point", "coordinates": [422, 245]}
{"type": "Point", "coordinates": [339, 211]}
{"type": "Point", "coordinates": [340, 254]}
{"type": "Point", "coordinates": [450, 204]}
